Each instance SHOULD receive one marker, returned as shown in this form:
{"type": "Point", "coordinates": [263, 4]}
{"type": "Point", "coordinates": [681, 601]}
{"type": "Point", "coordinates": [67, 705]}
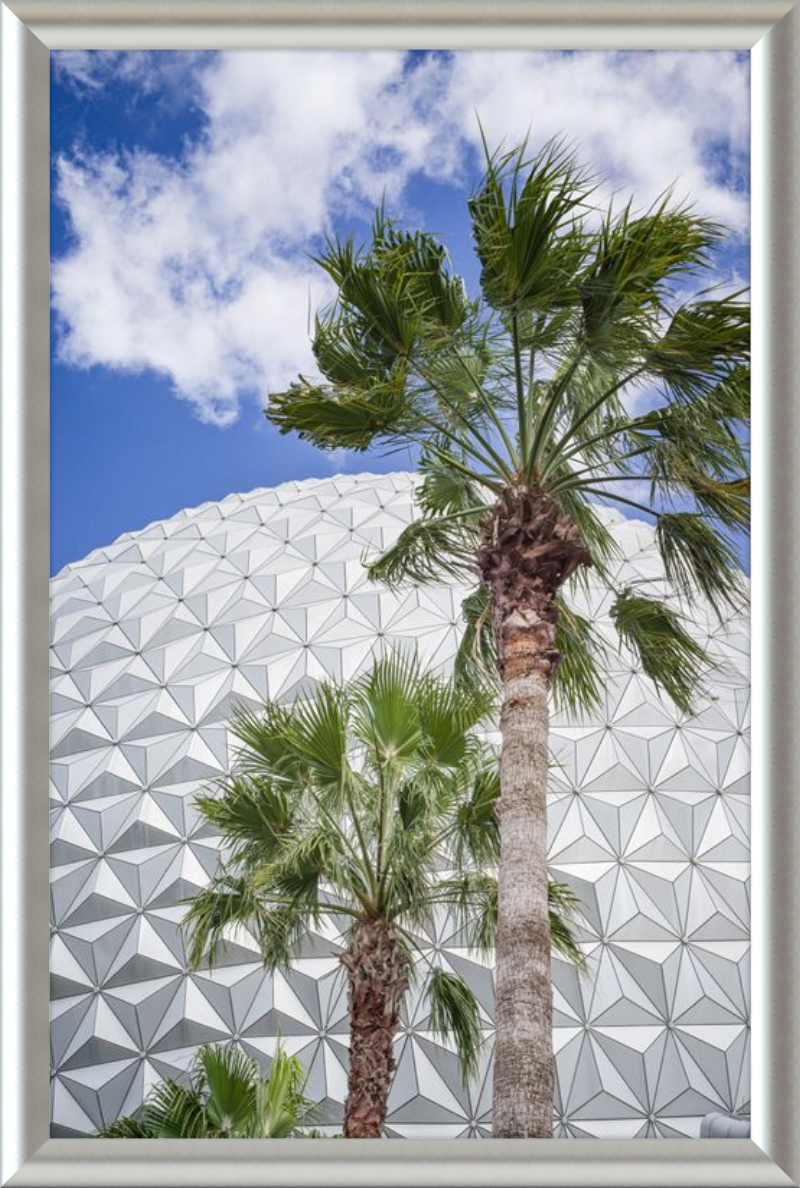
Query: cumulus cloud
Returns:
{"type": "Point", "coordinates": [149, 71]}
{"type": "Point", "coordinates": [647, 120]}
{"type": "Point", "coordinates": [197, 268]}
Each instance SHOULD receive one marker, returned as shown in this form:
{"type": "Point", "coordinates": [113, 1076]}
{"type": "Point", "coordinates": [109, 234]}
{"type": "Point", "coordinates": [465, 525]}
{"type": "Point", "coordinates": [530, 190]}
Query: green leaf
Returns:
{"type": "Point", "coordinates": [455, 1013]}
{"type": "Point", "coordinates": [476, 659]}
{"type": "Point", "coordinates": [594, 532]}
{"type": "Point", "coordinates": [697, 558]}
{"type": "Point", "coordinates": [636, 259]}
{"type": "Point", "coordinates": [688, 450]}
{"type": "Point", "coordinates": [471, 899]}
{"type": "Point", "coordinates": [225, 1097]}
{"type": "Point", "coordinates": [703, 343]}
{"type": "Point", "coordinates": [444, 490]}
{"type": "Point", "coordinates": [353, 420]}
{"type": "Point", "coordinates": [669, 656]}
{"type": "Point", "coordinates": [427, 550]}
{"type": "Point", "coordinates": [579, 681]}
{"type": "Point", "coordinates": [448, 714]}
{"type": "Point", "coordinates": [250, 814]}
{"type": "Point", "coordinates": [729, 400]}
{"type": "Point", "coordinates": [228, 901]}
{"type": "Point", "coordinates": [230, 1077]}
{"type": "Point", "coordinates": [528, 240]}
{"type": "Point", "coordinates": [318, 734]}
{"type": "Point", "coordinates": [280, 1108]}
{"type": "Point", "coordinates": [420, 267]}
{"type": "Point", "coordinates": [476, 833]}
{"type": "Point", "coordinates": [564, 908]}
{"type": "Point", "coordinates": [728, 502]}
{"type": "Point", "coordinates": [128, 1128]}
{"type": "Point", "coordinates": [387, 714]}
{"type": "Point", "coordinates": [267, 753]}
{"type": "Point", "coordinates": [177, 1111]}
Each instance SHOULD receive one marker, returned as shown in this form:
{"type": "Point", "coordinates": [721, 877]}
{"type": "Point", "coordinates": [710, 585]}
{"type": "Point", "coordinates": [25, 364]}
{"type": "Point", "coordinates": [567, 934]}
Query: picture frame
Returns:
{"type": "Point", "coordinates": [29, 30]}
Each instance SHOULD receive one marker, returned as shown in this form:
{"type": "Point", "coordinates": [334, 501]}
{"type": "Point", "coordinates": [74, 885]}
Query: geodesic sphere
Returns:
{"type": "Point", "coordinates": [154, 640]}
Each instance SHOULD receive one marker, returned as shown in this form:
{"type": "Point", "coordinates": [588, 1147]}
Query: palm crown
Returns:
{"type": "Point", "coordinates": [520, 404]}
{"type": "Point", "coordinates": [373, 803]}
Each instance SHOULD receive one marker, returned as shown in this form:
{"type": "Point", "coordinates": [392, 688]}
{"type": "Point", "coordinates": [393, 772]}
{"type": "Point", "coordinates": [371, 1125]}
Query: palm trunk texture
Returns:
{"type": "Point", "coordinates": [529, 550]}
{"type": "Point", "coordinates": [376, 970]}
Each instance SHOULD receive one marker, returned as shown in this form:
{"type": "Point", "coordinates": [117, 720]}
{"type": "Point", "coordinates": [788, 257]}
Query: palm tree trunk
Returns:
{"type": "Point", "coordinates": [529, 549]}
{"type": "Point", "coordinates": [523, 1056]}
{"type": "Point", "coordinates": [376, 970]}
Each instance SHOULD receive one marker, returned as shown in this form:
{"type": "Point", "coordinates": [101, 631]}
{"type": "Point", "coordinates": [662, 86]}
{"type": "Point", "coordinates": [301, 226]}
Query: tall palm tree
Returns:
{"type": "Point", "coordinates": [226, 1097]}
{"type": "Point", "coordinates": [347, 804]}
{"type": "Point", "coordinates": [582, 374]}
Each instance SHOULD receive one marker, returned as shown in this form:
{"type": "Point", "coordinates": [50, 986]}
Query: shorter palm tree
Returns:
{"type": "Point", "coordinates": [226, 1097]}
{"type": "Point", "coordinates": [373, 803]}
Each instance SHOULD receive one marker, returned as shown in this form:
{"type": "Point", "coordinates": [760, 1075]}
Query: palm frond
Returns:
{"type": "Point", "coordinates": [329, 418]}
{"type": "Point", "coordinates": [728, 502]}
{"type": "Point", "coordinates": [318, 735]}
{"type": "Point", "coordinates": [669, 656]}
{"type": "Point", "coordinates": [345, 359]}
{"type": "Point", "coordinates": [281, 1108]}
{"type": "Point", "coordinates": [443, 490]}
{"type": "Point", "coordinates": [683, 442]}
{"type": "Point", "coordinates": [130, 1127]}
{"type": "Point", "coordinates": [231, 902]}
{"type": "Point", "coordinates": [636, 259]}
{"type": "Point", "coordinates": [266, 753]}
{"type": "Point", "coordinates": [594, 531]}
{"type": "Point", "coordinates": [223, 1096]}
{"type": "Point", "coordinates": [280, 931]}
{"type": "Point", "coordinates": [448, 714]}
{"type": "Point", "coordinates": [178, 1111]}
{"type": "Point", "coordinates": [410, 874]}
{"type": "Point", "coordinates": [428, 549]}
{"type": "Point", "coordinates": [699, 559]}
{"type": "Point", "coordinates": [527, 237]}
{"type": "Point", "coordinates": [476, 829]}
{"type": "Point", "coordinates": [226, 903]}
{"type": "Point", "coordinates": [476, 659]}
{"type": "Point", "coordinates": [386, 717]}
{"type": "Point", "coordinates": [229, 1076]}
{"type": "Point", "coordinates": [420, 269]}
{"type": "Point", "coordinates": [455, 1014]}
{"type": "Point", "coordinates": [253, 814]}
{"type": "Point", "coordinates": [578, 681]}
{"type": "Point", "coordinates": [703, 342]}
{"type": "Point", "coordinates": [471, 898]}
{"type": "Point", "coordinates": [729, 400]}
{"type": "Point", "coordinates": [564, 907]}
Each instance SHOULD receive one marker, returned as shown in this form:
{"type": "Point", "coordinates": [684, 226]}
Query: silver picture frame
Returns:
{"type": "Point", "coordinates": [29, 29]}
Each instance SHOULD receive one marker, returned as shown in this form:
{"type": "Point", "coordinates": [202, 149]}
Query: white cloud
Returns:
{"type": "Point", "coordinates": [647, 120]}
{"type": "Point", "coordinates": [197, 268]}
{"type": "Point", "coordinates": [88, 71]}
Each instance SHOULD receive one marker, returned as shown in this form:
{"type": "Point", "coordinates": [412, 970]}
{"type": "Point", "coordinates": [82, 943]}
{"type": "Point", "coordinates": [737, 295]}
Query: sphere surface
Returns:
{"type": "Point", "coordinates": [156, 637]}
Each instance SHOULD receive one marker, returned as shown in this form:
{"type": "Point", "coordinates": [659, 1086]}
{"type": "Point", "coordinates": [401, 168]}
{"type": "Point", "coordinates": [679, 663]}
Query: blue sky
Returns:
{"type": "Point", "coordinates": [189, 189]}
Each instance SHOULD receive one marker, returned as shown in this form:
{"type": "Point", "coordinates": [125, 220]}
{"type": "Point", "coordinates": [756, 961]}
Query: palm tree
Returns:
{"type": "Point", "coordinates": [226, 1097]}
{"type": "Point", "coordinates": [349, 804]}
{"type": "Point", "coordinates": [583, 374]}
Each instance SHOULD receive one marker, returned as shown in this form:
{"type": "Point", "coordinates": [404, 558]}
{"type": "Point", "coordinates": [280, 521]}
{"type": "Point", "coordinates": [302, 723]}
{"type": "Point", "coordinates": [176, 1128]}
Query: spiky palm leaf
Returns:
{"type": "Point", "coordinates": [225, 1096]}
{"type": "Point", "coordinates": [665, 650]}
